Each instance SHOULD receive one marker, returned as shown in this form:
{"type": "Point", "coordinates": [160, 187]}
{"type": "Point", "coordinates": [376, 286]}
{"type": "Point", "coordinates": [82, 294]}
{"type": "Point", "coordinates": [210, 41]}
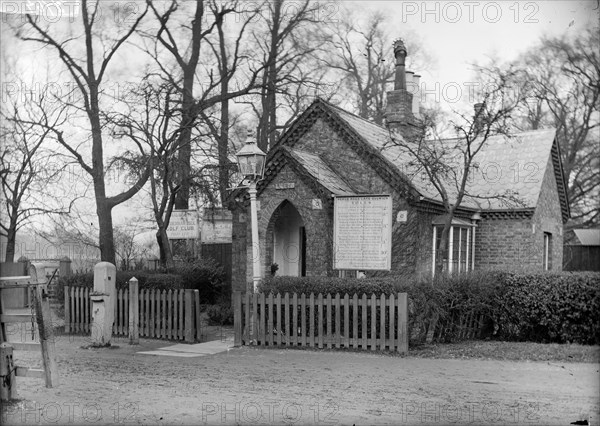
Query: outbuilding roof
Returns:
{"type": "Point", "coordinates": [588, 237]}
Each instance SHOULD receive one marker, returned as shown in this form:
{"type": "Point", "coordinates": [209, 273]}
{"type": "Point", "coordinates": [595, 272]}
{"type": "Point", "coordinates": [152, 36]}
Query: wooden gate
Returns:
{"type": "Point", "coordinates": [366, 322]}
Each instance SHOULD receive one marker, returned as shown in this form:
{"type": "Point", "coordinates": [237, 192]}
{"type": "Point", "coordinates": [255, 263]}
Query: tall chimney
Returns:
{"type": "Point", "coordinates": [399, 101]}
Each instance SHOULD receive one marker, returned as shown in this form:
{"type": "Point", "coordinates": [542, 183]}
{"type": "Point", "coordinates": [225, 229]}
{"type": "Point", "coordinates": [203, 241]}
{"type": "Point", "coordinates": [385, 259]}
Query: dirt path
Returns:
{"type": "Point", "coordinates": [262, 386]}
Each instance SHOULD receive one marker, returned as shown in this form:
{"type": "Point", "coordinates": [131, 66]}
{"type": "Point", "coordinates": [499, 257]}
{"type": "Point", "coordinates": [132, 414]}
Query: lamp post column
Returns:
{"type": "Point", "coordinates": [256, 275]}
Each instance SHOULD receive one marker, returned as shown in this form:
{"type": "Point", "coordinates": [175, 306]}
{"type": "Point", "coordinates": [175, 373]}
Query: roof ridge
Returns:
{"type": "Point", "coordinates": [508, 134]}
{"type": "Point", "coordinates": [329, 104]}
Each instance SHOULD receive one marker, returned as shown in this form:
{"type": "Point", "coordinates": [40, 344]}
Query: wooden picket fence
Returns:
{"type": "Point", "coordinates": [460, 326]}
{"type": "Point", "coordinates": [162, 314]}
{"type": "Point", "coordinates": [322, 321]}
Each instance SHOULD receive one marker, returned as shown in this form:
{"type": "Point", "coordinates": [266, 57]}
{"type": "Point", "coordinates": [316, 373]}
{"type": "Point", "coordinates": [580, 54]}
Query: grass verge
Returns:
{"type": "Point", "coordinates": [509, 351]}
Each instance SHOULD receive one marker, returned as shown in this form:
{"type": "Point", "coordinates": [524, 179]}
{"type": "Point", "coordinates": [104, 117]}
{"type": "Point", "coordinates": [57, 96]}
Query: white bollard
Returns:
{"type": "Point", "coordinates": [103, 303]}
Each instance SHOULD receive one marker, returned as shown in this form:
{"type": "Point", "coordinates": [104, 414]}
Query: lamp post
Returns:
{"type": "Point", "coordinates": [251, 161]}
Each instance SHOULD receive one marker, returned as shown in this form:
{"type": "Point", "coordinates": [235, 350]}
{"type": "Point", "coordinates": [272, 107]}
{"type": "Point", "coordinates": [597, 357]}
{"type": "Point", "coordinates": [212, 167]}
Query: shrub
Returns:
{"type": "Point", "coordinates": [219, 314]}
{"type": "Point", "coordinates": [324, 285]}
{"type": "Point", "coordinates": [206, 276]}
{"type": "Point", "coordinates": [146, 279]}
{"type": "Point", "coordinates": [550, 307]}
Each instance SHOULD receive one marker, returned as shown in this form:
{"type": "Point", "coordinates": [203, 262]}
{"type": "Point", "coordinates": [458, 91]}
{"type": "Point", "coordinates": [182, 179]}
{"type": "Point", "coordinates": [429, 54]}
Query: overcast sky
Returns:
{"type": "Point", "coordinates": [458, 33]}
{"type": "Point", "coordinates": [455, 34]}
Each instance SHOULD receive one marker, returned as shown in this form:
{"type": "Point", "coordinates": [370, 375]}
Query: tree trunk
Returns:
{"type": "Point", "coordinates": [166, 256]}
{"type": "Point", "coordinates": [444, 249]}
{"type": "Point", "coordinates": [11, 237]}
{"type": "Point", "coordinates": [268, 120]}
{"type": "Point", "coordinates": [107, 246]}
{"type": "Point", "coordinates": [103, 209]}
{"type": "Point", "coordinates": [223, 141]}
{"type": "Point", "coordinates": [223, 149]}
{"type": "Point", "coordinates": [189, 113]}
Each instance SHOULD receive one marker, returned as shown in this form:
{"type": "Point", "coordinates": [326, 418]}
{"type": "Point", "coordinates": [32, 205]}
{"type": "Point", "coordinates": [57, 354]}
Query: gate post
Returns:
{"type": "Point", "coordinates": [189, 316]}
{"type": "Point", "coordinates": [134, 332]}
{"type": "Point", "coordinates": [402, 323]}
{"type": "Point", "coordinates": [67, 292]}
{"type": "Point", "coordinates": [237, 318]}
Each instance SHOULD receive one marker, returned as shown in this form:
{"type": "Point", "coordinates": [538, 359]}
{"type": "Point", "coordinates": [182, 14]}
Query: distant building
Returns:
{"type": "Point", "coordinates": [583, 237]}
{"type": "Point", "coordinates": [582, 250]}
{"type": "Point", "coordinates": [328, 152]}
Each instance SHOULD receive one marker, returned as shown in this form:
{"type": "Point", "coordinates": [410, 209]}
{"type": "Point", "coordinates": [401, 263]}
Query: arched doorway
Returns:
{"type": "Point", "coordinates": [289, 241]}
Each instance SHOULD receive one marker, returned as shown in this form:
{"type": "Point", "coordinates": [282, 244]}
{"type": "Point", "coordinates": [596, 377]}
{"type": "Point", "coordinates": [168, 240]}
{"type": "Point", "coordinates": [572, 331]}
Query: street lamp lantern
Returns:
{"type": "Point", "coordinates": [251, 159]}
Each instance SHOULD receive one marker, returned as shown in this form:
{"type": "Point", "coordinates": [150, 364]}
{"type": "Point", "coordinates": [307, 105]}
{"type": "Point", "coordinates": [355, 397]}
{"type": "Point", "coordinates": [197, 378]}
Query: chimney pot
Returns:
{"type": "Point", "coordinates": [400, 49]}
{"type": "Point", "coordinates": [416, 92]}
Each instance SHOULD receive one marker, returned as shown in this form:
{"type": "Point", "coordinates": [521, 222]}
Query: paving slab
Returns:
{"type": "Point", "coordinates": [198, 349]}
{"type": "Point", "coordinates": [172, 353]}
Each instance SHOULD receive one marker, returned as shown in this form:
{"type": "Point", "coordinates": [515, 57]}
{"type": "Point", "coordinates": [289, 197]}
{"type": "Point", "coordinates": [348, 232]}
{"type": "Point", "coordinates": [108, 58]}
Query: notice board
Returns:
{"type": "Point", "coordinates": [183, 225]}
{"type": "Point", "coordinates": [362, 232]}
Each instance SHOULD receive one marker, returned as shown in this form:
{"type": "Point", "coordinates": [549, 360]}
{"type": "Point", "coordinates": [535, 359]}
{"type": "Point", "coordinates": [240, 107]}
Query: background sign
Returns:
{"type": "Point", "coordinates": [216, 226]}
{"type": "Point", "coordinates": [183, 225]}
{"type": "Point", "coordinates": [362, 232]}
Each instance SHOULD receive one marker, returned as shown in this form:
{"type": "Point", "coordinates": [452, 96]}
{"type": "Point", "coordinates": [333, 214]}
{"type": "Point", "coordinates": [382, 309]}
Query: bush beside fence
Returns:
{"type": "Point", "coordinates": [539, 307]}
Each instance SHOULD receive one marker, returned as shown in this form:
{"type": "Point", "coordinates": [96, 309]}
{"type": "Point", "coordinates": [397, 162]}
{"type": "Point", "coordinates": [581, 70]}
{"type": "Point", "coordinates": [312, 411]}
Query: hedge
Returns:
{"type": "Point", "coordinates": [204, 275]}
{"type": "Point", "coordinates": [543, 307]}
{"type": "Point", "coordinates": [550, 307]}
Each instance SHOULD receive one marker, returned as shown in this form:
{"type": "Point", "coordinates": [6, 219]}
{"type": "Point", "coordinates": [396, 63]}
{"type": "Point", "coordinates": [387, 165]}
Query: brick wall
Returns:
{"type": "Point", "coordinates": [548, 218]}
{"type": "Point", "coordinates": [519, 243]}
{"type": "Point", "coordinates": [503, 243]}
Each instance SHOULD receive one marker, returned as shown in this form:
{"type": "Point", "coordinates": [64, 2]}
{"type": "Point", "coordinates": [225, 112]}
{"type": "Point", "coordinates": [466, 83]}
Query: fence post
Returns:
{"type": "Point", "coordinates": [46, 333]}
{"type": "Point", "coordinates": [237, 318]}
{"type": "Point", "coordinates": [67, 310]}
{"type": "Point", "coordinates": [64, 267]}
{"type": "Point", "coordinates": [198, 315]}
{"type": "Point", "coordinates": [189, 315]}
{"type": "Point", "coordinates": [134, 308]}
{"type": "Point", "coordinates": [402, 323]}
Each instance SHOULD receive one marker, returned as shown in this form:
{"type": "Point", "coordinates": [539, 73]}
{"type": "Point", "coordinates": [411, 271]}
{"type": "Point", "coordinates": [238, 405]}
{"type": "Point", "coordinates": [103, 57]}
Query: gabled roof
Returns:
{"type": "Point", "coordinates": [321, 172]}
{"type": "Point", "coordinates": [516, 163]}
{"type": "Point", "coordinates": [508, 171]}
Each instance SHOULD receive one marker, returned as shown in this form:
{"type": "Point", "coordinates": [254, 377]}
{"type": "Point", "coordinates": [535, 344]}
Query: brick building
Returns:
{"type": "Point", "coordinates": [329, 152]}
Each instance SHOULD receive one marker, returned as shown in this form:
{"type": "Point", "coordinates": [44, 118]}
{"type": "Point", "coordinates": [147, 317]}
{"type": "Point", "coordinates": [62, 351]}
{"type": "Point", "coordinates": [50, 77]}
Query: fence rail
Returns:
{"type": "Point", "coordinates": [366, 322]}
{"type": "Point", "coordinates": [164, 314]}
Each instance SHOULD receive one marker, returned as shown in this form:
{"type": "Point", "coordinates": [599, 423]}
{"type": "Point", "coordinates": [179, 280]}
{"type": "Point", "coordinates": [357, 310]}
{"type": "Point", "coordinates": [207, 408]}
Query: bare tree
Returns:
{"type": "Point", "coordinates": [87, 59]}
{"type": "Point", "coordinates": [358, 53]}
{"type": "Point", "coordinates": [129, 251]}
{"type": "Point", "coordinates": [152, 125]}
{"type": "Point", "coordinates": [28, 167]}
{"type": "Point", "coordinates": [289, 42]}
{"type": "Point", "coordinates": [565, 93]}
{"type": "Point", "coordinates": [228, 57]}
{"type": "Point", "coordinates": [182, 40]}
{"type": "Point", "coordinates": [450, 164]}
